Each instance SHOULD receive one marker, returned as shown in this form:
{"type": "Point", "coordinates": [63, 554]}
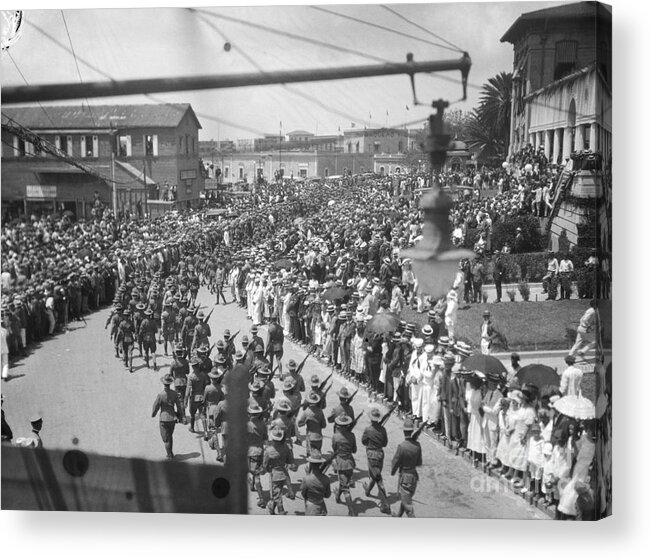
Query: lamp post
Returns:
{"type": "Point", "coordinates": [435, 259]}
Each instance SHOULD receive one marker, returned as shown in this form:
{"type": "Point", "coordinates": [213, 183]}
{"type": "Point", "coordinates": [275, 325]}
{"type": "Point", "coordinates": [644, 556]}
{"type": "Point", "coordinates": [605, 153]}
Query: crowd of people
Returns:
{"type": "Point", "coordinates": [319, 260]}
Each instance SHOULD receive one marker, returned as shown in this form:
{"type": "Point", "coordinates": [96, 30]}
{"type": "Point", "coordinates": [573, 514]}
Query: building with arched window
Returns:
{"type": "Point", "coordinates": [562, 80]}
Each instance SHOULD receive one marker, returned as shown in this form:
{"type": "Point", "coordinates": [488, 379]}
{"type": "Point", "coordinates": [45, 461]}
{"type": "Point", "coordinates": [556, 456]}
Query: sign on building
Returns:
{"type": "Point", "coordinates": [41, 191]}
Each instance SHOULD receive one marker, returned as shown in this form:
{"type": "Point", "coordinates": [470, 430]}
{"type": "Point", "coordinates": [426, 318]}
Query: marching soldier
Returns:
{"type": "Point", "coordinates": [218, 442]}
{"type": "Point", "coordinates": [344, 446]}
{"type": "Point", "coordinates": [213, 394]}
{"type": "Point", "coordinates": [290, 391]}
{"type": "Point", "coordinates": [275, 340]}
{"type": "Point", "coordinates": [264, 375]}
{"type": "Point", "coordinates": [171, 411]}
{"type": "Point", "coordinates": [168, 322]}
{"type": "Point", "coordinates": [375, 440]}
{"type": "Point", "coordinates": [179, 370]}
{"type": "Point", "coordinates": [315, 487]}
{"type": "Point", "coordinates": [256, 395]}
{"type": "Point", "coordinates": [295, 375]}
{"type": "Point", "coordinates": [408, 456]}
{"type": "Point", "coordinates": [256, 340]}
{"type": "Point", "coordinates": [277, 458]}
{"type": "Point", "coordinates": [201, 331]}
{"type": "Point", "coordinates": [126, 338]}
{"type": "Point", "coordinates": [343, 407]}
{"type": "Point", "coordinates": [187, 330]}
{"type": "Point", "coordinates": [194, 392]}
{"type": "Point", "coordinates": [314, 421]}
{"type": "Point", "coordinates": [257, 435]}
{"type": "Point", "coordinates": [138, 318]}
{"type": "Point", "coordinates": [147, 337]}
{"type": "Point", "coordinates": [205, 363]}
{"type": "Point", "coordinates": [114, 320]}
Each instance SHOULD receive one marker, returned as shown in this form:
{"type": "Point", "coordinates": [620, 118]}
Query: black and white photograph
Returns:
{"type": "Point", "coordinates": [308, 260]}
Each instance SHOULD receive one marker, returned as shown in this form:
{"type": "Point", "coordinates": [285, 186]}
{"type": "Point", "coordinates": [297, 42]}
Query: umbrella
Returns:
{"type": "Point", "coordinates": [283, 263]}
{"type": "Point", "coordinates": [539, 375]}
{"type": "Point", "coordinates": [69, 214]}
{"type": "Point", "coordinates": [485, 364]}
{"type": "Point", "coordinates": [336, 293]}
{"type": "Point", "coordinates": [298, 221]}
{"type": "Point", "coordinates": [575, 407]}
{"type": "Point", "coordinates": [382, 323]}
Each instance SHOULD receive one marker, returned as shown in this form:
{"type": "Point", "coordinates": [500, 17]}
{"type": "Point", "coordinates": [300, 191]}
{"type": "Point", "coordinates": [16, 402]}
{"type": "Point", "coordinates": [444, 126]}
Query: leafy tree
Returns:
{"type": "Point", "coordinates": [489, 124]}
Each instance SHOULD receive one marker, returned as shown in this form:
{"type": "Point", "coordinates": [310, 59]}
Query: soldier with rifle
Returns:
{"type": "Point", "coordinates": [294, 372]}
{"type": "Point", "coordinates": [407, 457]}
{"type": "Point", "coordinates": [290, 391]}
{"type": "Point", "coordinates": [275, 341]}
{"type": "Point", "coordinates": [257, 435]}
{"type": "Point", "coordinates": [315, 487]}
{"type": "Point", "coordinates": [264, 375]}
{"type": "Point", "coordinates": [375, 440]}
{"type": "Point", "coordinates": [344, 446]}
{"type": "Point", "coordinates": [147, 337]}
{"type": "Point", "coordinates": [229, 340]}
{"type": "Point", "coordinates": [277, 458]}
{"type": "Point", "coordinates": [345, 397]}
{"type": "Point", "coordinates": [317, 387]}
{"type": "Point", "coordinates": [187, 330]}
{"type": "Point", "coordinates": [256, 395]}
{"type": "Point", "coordinates": [201, 330]}
{"type": "Point", "coordinates": [314, 421]}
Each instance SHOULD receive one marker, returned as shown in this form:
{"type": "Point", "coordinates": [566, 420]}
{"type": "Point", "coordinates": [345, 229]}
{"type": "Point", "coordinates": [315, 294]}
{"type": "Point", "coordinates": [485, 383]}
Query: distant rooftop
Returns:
{"type": "Point", "coordinates": [100, 116]}
{"type": "Point", "coordinates": [576, 11]}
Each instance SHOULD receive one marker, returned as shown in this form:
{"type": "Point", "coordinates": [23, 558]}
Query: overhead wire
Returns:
{"type": "Point", "coordinates": [382, 27]}
{"type": "Point", "coordinates": [81, 80]}
{"type": "Point", "coordinates": [27, 84]}
{"type": "Point", "coordinates": [425, 29]}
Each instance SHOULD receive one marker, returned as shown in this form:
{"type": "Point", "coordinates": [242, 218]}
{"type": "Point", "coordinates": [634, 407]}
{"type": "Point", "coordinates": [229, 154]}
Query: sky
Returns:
{"type": "Point", "coordinates": [165, 42]}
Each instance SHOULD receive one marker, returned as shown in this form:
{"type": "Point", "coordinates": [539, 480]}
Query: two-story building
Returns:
{"type": "Point", "coordinates": [562, 80]}
{"type": "Point", "coordinates": [149, 153]}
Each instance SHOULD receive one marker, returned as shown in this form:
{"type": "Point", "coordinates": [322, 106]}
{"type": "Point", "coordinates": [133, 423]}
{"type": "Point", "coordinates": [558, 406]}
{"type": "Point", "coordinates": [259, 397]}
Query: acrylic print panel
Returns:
{"type": "Point", "coordinates": [348, 260]}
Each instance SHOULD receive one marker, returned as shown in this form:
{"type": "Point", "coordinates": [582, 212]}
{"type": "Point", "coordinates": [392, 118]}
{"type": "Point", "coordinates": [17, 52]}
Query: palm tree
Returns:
{"type": "Point", "coordinates": [490, 123]}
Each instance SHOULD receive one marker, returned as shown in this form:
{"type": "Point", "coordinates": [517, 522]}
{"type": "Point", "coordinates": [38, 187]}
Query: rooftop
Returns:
{"type": "Point", "coordinates": [167, 115]}
{"type": "Point", "coordinates": [577, 11]}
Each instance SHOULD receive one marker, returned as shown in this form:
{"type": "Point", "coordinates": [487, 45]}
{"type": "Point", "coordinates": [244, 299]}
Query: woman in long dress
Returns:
{"type": "Point", "coordinates": [579, 475]}
{"type": "Point", "coordinates": [474, 399]}
{"type": "Point", "coordinates": [428, 373]}
{"type": "Point", "coordinates": [518, 448]}
{"type": "Point", "coordinates": [509, 409]}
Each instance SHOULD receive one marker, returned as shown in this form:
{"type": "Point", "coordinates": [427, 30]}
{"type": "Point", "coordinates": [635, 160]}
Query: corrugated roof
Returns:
{"type": "Point", "coordinates": [100, 116]}
{"type": "Point", "coordinates": [577, 10]}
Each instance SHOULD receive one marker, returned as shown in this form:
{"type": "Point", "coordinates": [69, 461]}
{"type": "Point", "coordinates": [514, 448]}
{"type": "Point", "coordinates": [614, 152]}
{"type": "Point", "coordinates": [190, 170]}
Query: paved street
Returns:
{"type": "Point", "coordinates": [88, 399]}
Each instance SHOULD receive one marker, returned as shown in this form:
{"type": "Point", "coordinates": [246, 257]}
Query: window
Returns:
{"type": "Point", "coordinates": [124, 146]}
{"type": "Point", "coordinates": [382, 170]}
{"type": "Point", "coordinates": [241, 173]}
{"type": "Point", "coordinates": [357, 147]}
{"type": "Point", "coordinates": [19, 147]}
{"type": "Point", "coordinates": [400, 145]}
{"type": "Point", "coordinates": [350, 147]}
{"type": "Point", "coordinates": [89, 146]}
{"type": "Point", "coordinates": [303, 173]}
{"type": "Point", "coordinates": [187, 144]}
{"type": "Point", "coordinates": [397, 170]}
{"type": "Point", "coordinates": [565, 58]}
{"type": "Point", "coordinates": [376, 147]}
{"type": "Point", "coordinates": [151, 144]}
{"type": "Point", "coordinates": [226, 172]}
{"type": "Point", "coordinates": [64, 143]}
{"type": "Point", "coordinates": [180, 144]}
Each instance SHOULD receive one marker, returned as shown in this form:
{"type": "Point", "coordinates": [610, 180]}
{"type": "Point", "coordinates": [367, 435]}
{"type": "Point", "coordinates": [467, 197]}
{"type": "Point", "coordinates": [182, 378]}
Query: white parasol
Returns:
{"type": "Point", "coordinates": [575, 407]}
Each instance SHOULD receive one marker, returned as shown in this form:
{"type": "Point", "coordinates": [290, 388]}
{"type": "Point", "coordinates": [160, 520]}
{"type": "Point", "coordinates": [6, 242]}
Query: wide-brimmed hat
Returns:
{"type": "Point", "coordinates": [344, 393]}
{"type": "Point", "coordinates": [256, 386]}
{"type": "Point", "coordinates": [283, 405]}
{"type": "Point", "coordinates": [427, 331]}
{"type": "Point", "coordinates": [195, 361]}
{"type": "Point", "coordinates": [343, 420]}
{"type": "Point", "coordinates": [515, 395]}
{"type": "Point", "coordinates": [313, 398]}
{"type": "Point", "coordinates": [277, 434]}
{"type": "Point", "coordinates": [375, 414]}
{"type": "Point", "coordinates": [462, 348]}
{"type": "Point", "coordinates": [264, 371]}
{"type": "Point", "coordinates": [443, 341]}
{"type": "Point", "coordinates": [291, 365]}
{"type": "Point", "coordinates": [315, 457]}
{"type": "Point", "coordinates": [289, 384]}
{"type": "Point", "coordinates": [216, 373]}
{"type": "Point", "coordinates": [167, 379]}
{"type": "Point", "coordinates": [254, 408]}
{"type": "Point", "coordinates": [315, 381]}
{"type": "Point", "coordinates": [408, 425]}
{"type": "Point", "coordinates": [239, 355]}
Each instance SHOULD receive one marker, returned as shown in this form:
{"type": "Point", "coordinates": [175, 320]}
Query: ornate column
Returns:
{"type": "Point", "coordinates": [558, 140]}
{"type": "Point", "coordinates": [579, 138]}
{"type": "Point", "coordinates": [567, 142]}
{"type": "Point", "coordinates": [594, 131]}
{"type": "Point", "coordinates": [549, 139]}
